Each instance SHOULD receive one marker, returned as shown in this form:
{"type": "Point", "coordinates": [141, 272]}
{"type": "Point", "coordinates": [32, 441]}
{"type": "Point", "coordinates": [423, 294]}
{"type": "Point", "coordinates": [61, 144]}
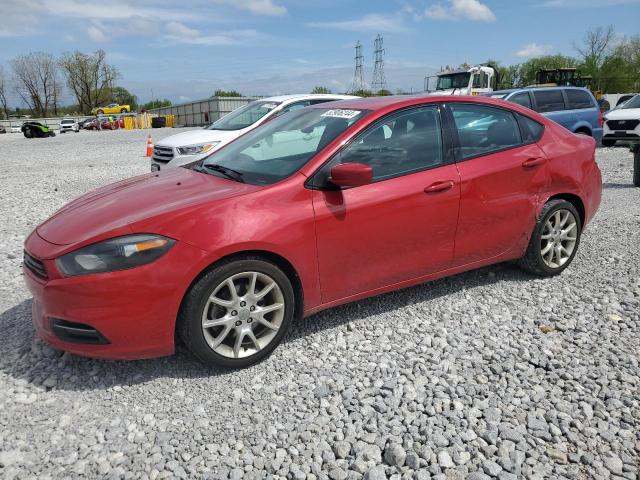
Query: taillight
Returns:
{"type": "Point", "coordinates": [600, 119]}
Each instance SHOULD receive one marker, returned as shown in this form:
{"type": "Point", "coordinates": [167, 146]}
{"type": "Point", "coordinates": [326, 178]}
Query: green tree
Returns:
{"type": "Point", "coordinates": [363, 93]}
{"type": "Point", "coordinates": [320, 90]}
{"type": "Point", "coordinates": [124, 97]}
{"type": "Point", "coordinates": [157, 104]}
{"type": "Point", "coordinates": [226, 93]}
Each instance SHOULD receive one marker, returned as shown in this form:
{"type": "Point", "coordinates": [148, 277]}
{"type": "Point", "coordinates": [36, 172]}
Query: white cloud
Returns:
{"type": "Point", "coordinates": [96, 34]}
{"type": "Point", "coordinates": [534, 50]}
{"type": "Point", "coordinates": [18, 18]}
{"type": "Point", "coordinates": [179, 33]}
{"type": "Point", "coordinates": [473, 10]}
{"type": "Point", "coordinates": [372, 22]}
{"type": "Point", "coordinates": [259, 7]}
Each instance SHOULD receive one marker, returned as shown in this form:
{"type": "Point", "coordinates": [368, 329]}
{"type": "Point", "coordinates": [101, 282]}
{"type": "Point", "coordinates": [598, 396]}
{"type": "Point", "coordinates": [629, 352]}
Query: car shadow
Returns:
{"type": "Point", "coordinates": [22, 353]}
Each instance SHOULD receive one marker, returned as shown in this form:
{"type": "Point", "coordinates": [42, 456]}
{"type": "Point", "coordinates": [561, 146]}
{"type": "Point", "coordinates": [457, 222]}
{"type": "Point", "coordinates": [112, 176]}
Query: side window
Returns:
{"type": "Point", "coordinates": [322, 100]}
{"type": "Point", "coordinates": [549, 100]}
{"type": "Point", "coordinates": [579, 99]}
{"type": "Point", "coordinates": [531, 130]}
{"type": "Point", "coordinates": [483, 130]}
{"type": "Point", "coordinates": [399, 144]}
{"type": "Point", "coordinates": [522, 99]}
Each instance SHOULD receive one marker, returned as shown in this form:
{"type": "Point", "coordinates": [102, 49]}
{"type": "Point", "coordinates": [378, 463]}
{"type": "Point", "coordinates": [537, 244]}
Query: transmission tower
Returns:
{"type": "Point", "coordinates": [378, 82]}
{"type": "Point", "coordinates": [358, 85]}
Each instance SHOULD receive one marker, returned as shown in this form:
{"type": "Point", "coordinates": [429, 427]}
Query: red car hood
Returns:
{"type": "Point", "coordinates": [138, 198]}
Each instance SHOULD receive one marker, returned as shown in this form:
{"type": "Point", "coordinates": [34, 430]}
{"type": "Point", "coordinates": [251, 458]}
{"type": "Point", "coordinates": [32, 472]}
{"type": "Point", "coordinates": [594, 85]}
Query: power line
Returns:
{"type": "Point", "coordinates": [378, 82]}
{"type": "Point", "coordinates": [358, 84]}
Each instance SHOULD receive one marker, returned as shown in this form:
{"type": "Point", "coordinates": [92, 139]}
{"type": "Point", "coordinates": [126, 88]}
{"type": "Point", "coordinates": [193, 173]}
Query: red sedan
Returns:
{"type": "Point", "coordinates": [321, 206]}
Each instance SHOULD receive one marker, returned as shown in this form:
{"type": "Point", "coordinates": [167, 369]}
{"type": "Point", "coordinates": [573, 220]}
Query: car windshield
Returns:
{"type": "Point", "coordinates": [244, 116]}
{"type": "Point", "coordinates": [453, 80]}
{"type": "Point", "coordinates": [66, 121]}
{"type": "Point", "coordinates": [281, 147]}
{"type": "Point", "coordinates": [633, 103]}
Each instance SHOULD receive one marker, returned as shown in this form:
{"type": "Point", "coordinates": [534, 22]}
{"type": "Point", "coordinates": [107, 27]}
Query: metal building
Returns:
{"type": "Point", "coordinates": [203, 112]}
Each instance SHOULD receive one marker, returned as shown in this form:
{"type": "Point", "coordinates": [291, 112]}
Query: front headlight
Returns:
{"type": "Point", "coordinates": [115, 254]}
{"type": "Point", "coordinates": [196, 149]}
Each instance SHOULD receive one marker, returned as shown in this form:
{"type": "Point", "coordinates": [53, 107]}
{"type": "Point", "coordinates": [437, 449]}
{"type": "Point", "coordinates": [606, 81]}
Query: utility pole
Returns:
{"type": "Point", "coordinates": [378, 82]}
{"type": "Point", "coordinates": [357, 84]}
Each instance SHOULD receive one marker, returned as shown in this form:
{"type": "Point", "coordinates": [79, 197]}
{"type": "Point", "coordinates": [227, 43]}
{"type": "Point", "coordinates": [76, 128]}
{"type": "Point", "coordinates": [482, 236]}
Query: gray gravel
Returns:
{"type": "Point", "coordinates": [489, 374]}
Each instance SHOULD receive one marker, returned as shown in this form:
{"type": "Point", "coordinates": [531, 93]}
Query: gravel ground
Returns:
{"type": "Point", "coordinates": [490, 373]}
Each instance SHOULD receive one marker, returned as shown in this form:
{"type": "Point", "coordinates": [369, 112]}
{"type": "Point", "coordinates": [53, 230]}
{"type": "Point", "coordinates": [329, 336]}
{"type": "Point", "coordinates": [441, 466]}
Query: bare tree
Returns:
{"type": "Point", "coordinates": [596, 45]}
{"type": "Point", "coordinates": [89, 77]}
{"type": "Point", "coordinates": [3, 93]}
{"type": "Point", "coordinates": [35, 80]}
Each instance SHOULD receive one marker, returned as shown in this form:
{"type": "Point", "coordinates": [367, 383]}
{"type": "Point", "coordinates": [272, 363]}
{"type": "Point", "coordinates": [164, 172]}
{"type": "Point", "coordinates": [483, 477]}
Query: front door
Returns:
{"type": "Point", "coordinates": [399, 227]}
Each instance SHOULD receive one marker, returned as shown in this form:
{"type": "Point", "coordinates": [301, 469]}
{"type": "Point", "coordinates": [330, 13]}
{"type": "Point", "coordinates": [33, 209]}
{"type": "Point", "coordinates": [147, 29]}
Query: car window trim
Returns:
{"type": "Point", "coordinates": [521, 92]}
{"type": "Point", "coordinates": [564, 99]}
{"type": "Point", "coordinates": [447, 149]}
{"type": "Point", "coordinates": [456, 138]}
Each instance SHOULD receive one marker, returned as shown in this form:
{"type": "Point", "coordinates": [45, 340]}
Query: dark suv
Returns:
{"type": "Point", "coordinates": [572, 107]}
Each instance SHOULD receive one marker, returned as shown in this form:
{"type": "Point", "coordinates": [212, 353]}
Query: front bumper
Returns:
{"type": "Point", "coordinates": [133, 310]}
{"type": "Point", "coordinates": [620, 133]}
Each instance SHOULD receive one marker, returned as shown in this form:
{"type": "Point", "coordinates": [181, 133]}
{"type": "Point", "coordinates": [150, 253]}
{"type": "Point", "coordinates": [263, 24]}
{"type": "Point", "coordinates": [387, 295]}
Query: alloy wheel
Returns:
{"type": "Point", "coordinates": [558, 240]}
{"type": "Point", "coordinates": [243, 314]}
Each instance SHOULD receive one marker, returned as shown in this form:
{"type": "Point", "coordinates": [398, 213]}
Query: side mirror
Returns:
{"type": "Point", "coordinates": [351, 174]}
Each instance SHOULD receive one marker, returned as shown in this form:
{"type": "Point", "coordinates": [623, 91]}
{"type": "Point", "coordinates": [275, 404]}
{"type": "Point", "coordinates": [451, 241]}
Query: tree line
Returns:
{"type": "Point", "coordinates": [39, 80]}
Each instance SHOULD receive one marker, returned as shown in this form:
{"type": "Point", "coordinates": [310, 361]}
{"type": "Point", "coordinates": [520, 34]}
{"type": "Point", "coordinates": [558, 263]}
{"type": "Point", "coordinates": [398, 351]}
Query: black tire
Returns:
{"type": "Point", "coordinates": [636, 165]}
{"type": "Point", "coordinates": [532, 260]}
{"type": "Point", "coordinates": [123, 110]}
{"type": "Point", "coordinates": [607, 142]}
{"type": "Point", "coordinates": [100, 112]}
{"type": "Point", "coordinates": [28, 133]}
{"type": "Point", "coordinates": [189, 321]}
{"type": "Point", "coordinates": [52, 134]}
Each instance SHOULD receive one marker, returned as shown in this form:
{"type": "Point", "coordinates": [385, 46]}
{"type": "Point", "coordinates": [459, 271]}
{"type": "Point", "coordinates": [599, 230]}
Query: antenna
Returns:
{"type": "Point", "coordinates": [358, 85]}
{"type": "Point", "coordinates": [378, 82]}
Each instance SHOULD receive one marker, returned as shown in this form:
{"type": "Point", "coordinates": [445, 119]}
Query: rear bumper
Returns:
{"type": "Point", "coordinates": [134, 310]}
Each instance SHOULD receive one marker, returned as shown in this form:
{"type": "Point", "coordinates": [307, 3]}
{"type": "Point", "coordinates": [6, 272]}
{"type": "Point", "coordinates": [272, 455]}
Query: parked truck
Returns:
{"type": "Point", "coordinates": [474, 80]}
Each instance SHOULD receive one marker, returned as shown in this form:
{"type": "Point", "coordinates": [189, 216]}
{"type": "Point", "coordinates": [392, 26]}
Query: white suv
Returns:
{"type": "Point", "coordinates": [191, 146]}
{"type": "Point", "coordinates": [69, 125]}
{"type": "Point", "coordinates": [622, 123]}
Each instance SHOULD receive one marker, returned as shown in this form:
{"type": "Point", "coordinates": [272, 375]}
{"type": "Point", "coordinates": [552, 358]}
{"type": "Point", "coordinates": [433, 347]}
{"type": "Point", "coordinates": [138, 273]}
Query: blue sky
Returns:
{"type": "Point", "coordinates": [186, 49]}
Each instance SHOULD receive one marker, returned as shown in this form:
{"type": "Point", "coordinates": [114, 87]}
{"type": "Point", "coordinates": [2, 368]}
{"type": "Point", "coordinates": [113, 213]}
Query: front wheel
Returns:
{"type": "Point", "coordinates": [554, 241]}
{"type": "Point", "coordinates": [237, 313]}
{"type": "Point", "coordinates": [28, 133]}
{"type": "Point", "coordinates": [123, 110]}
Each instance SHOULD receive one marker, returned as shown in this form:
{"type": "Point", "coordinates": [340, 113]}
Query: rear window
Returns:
{"type": "Point", "coordinates": [549, 100]}
{"type": "Point", "coordinates": [579, 99]}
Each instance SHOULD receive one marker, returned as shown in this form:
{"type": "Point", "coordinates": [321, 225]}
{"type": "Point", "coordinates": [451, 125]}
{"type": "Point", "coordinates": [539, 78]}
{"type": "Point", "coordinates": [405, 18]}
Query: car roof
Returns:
{"type": "Point", "coordinates": [306, 96]}
{"type": "Point", "coordinates": [533, 88]}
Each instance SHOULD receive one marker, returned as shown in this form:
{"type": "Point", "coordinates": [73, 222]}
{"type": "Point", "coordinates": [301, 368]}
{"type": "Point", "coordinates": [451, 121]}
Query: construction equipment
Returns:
{"type": "Point", "coordinates": [473, 80]}
{"type": "Point", "coordinates": [570, 76]}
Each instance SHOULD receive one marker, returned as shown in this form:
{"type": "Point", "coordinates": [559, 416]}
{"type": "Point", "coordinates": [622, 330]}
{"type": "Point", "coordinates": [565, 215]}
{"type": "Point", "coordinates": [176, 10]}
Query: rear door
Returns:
{"type": "Point", "coordinates": [583, 108]}
{"type": "Point", "coordinates": [501, 173]}
{"type": "Point", "coordinates": [402, 225]}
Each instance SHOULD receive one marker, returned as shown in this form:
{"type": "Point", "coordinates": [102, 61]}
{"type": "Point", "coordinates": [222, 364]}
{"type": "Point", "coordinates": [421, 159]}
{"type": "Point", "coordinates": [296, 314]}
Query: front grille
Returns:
{"type": "Point", "coordinates": [76, 332]}
{"type": "Point", "coordinates": [35, 265]}
{"type": "Point", "coordinates": [162, 154]}
{"type": "Point", "coordinates": [622, 124]}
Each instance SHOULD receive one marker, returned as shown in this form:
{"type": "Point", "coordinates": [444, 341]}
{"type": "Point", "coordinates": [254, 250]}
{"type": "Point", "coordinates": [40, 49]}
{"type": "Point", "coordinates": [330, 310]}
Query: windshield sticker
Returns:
{"type": "Point", "coordinates": [347, 114]}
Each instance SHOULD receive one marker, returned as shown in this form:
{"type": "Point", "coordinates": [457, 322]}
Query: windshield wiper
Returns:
{"type": "Point", "coordinates": [226, 171]}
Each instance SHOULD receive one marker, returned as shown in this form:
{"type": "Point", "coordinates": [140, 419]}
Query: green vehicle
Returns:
{"type": "Point", "coordinates": [36, 130]}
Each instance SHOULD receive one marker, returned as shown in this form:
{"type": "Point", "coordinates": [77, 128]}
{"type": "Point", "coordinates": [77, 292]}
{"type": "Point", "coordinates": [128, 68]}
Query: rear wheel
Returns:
{"type": "Point", "coordinates": [606, 142]}
{"type": "Point", "coordinates": [28, 133]}
{"type": "Point", "coordinates": [100, 112]}
{"type": "Point", "coordinates": [555, 239]}
{"type": "Point", "coordinates": [123, 110]}
{"type": "Point", "coordinates": [237, 313]}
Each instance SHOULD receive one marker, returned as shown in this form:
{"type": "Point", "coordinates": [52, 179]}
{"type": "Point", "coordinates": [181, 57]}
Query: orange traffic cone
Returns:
{"type": "Point", "coordinates": [149, 146]}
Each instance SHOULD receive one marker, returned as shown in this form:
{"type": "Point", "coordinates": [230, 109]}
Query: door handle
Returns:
{"type": "Point", "coordinates": [533, 162]}
{"type": "Point", "coordinates": [439, 187]}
